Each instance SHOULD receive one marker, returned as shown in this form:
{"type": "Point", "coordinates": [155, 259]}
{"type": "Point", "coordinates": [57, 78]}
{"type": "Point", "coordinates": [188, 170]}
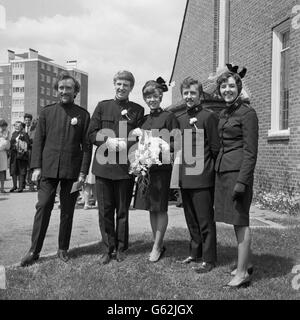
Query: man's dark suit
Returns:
{"type": "Point", "coordinates": [61, 149]}
{"type": "Point", "coordinates": [114, 185]}
{"type": "Point", "coordinates": [198, 189]}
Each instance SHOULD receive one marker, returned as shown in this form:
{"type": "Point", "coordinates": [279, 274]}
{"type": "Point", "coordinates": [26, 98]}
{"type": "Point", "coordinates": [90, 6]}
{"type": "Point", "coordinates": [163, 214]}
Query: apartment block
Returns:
{"type": "Point", "coordinates": [27, 81]}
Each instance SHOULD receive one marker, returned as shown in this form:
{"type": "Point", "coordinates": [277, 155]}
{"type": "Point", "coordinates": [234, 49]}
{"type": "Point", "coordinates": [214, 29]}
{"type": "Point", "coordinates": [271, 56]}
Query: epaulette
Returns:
{"type": "Point", "coordinates": [81, 108]}
{"type": "Point", "coordinates": [50, 105]}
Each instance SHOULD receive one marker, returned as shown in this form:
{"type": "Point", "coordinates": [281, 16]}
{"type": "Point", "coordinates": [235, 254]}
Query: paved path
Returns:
{"type": "Point", "coordinates": [17, 212]}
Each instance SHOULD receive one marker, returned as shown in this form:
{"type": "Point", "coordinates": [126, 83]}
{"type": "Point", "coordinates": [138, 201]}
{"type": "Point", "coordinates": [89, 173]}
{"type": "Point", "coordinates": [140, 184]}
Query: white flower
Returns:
{"type": "Point", "coordinates": [193, 122]}
{"type": "Point", "coordinates": [137, 132]}
{"type": "Point", "coordinates": [124, 113]}
{"type": "Point", "coordinates": [74, 121]}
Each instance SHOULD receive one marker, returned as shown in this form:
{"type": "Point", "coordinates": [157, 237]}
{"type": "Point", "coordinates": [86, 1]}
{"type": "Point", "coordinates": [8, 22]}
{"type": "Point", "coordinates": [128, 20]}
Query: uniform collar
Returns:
{"type": "Point", "coordinates": [122, 103]}
{"type": "Point", "coordinates": [230, 108]}
{"type": "Point", "coordinates": [194, 110]}
{"type": "Point", "coordinates": [156, 112]}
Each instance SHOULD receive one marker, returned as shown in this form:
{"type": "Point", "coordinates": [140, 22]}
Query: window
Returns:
{"type": "Point", "coordinates": [42, 76]}
{"type": "Point", "coordinates": [18, 77]}
{"type": "Point", "coordinates": [42, 102]}
{"type": "Point", "coordinates": [48, 91]}
{"type": "Point", "coordinates": [47, 102]}
{"type": "Point", "coordinates": [42, 65]}
{"type": "Point", "coordinates": [48, 79]}
{"type": "Point", "coordinates": [48, 67]}
{"type": "Point", "coordinates": [280, 81]}
{"type": "Point", "coordinates": [42, 90]}
{"type": "Point", "coordinates": [18, 89]}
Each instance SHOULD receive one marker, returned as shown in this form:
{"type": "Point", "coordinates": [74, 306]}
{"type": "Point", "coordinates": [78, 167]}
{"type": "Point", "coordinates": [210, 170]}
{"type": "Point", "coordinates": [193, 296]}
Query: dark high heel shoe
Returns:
{"type": "Point", "coordinates": [242, 284]}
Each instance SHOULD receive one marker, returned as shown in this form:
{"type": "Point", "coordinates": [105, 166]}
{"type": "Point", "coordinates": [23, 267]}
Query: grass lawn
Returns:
{"type": "Point", "coordinates": [275, 253]}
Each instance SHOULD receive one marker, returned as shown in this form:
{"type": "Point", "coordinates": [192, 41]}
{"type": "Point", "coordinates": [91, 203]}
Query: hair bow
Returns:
{"type": "Point", "coordinates": [234, 69]}
{"type": "Point", "coordinates": [162, 83]}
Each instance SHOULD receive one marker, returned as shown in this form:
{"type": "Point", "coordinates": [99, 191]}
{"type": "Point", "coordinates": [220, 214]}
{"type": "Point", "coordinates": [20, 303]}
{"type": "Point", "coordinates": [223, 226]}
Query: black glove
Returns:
{"type": "Point", "coordinates": [238, 191]}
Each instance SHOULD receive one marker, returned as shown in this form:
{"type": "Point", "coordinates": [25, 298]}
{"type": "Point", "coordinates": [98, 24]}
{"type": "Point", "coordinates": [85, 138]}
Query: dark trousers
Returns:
{"type": "Point", "coordinates": [21, 179]}
{"type": "Point", "coordinates": [199, 215]}
{"type": "Point", "coordinates": [44, 206]}
{"type": "Point", "coordinates": [114, 196]}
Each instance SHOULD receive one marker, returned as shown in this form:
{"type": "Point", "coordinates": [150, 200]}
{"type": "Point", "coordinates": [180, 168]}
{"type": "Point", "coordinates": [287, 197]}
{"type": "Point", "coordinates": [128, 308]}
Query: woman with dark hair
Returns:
{"type": "Point", "coordinates": [238, 132]}
{"type": "Point", "coordinates": [155, 197]}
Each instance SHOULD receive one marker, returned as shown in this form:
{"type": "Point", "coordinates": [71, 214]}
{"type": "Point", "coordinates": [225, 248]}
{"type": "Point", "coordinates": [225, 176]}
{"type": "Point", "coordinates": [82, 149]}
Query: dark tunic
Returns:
{"type": "Point", "coordinates": [107, 115]}
{"type": "Point", "coordinates": [61, 149]}
{"type": "Point", "coordinates": [155, 198]}
{"type": "Point", "coordinates": [208, 121]}
{"type": "Point", "coordinates": [238, 132]}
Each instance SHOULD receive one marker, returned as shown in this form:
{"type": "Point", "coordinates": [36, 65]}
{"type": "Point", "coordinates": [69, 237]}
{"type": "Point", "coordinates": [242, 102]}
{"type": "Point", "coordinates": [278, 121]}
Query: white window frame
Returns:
{"type": "Point", "coordinates": [275, 92]}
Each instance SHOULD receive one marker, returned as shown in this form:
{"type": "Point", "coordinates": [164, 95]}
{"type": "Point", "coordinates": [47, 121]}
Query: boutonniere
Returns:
{"type": "Point", "coordinates": [124, 113]}
{"type": "Point", "coordinates": [74, 121]}
{"type": "Point", "coordinates": [193, 122]}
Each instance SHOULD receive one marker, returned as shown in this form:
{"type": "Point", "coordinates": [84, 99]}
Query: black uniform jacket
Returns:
{"type": "Point", "coordinates": [108, 115]}
{"type": "Point", "coordinates": [238, 131]}
{"type": "Point", "coordinates": [160, 119]}
{"type": "Point", "coordinates": [61, 148]}
{"type": "Point", "coordinates": [208, 121]}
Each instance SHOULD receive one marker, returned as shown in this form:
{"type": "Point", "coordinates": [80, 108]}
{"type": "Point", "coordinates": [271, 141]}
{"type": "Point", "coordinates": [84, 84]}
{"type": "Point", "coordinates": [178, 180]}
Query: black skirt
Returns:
{"type": "Point", "coordinates": [228, 211]}
{"type": "Point", "coordinates": [155, 197]}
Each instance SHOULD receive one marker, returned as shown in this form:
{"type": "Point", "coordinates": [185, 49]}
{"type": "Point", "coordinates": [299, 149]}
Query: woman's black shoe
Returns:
{"type": "Point", "coordinates": [13, 189]}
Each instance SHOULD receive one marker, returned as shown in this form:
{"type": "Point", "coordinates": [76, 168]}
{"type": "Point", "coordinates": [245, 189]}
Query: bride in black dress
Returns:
{"type": "Point", "coordinates": [155, 197]}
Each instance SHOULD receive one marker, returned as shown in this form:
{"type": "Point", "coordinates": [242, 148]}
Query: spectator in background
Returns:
{"type": "Point", "coordinates": [4, 147]}
{"type": "Point", "coordinates": [30, 127]}
{"type": "Point", "coordinates": [18, 156]}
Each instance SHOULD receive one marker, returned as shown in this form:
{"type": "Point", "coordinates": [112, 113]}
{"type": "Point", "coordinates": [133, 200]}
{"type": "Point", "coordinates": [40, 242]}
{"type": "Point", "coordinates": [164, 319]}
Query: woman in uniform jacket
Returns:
{"type": "Point", "coordinates": [238, 132]}
{"type": "Point", "coordinates": [155, 197]}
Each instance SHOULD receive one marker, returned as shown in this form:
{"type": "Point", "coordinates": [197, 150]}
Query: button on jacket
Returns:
{"type": "Point", "coordinates": [208, 121]}
{"type": "Point", "coordinates": [238, 132]}
{"type": "Point", "coordinates": [61, 148]}
{"type": "Point", "coordinates": [108, 115]}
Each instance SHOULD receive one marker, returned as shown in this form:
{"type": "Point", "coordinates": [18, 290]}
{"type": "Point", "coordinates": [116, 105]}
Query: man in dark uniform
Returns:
{"type": "Point", "coordinates": [197, 188]}
{"type": "Point", "coordinates": [114, 185]}
{"type": "Point", "coordinates": [61, 153]}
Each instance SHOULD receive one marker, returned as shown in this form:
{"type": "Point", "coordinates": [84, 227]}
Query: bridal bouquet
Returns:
{"type": "Point", "coordinates": [145, 155]}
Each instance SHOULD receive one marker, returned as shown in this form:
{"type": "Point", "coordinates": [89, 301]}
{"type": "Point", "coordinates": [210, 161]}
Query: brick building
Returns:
{"type": "Point", "coordinates": [26, 84]}
{"type": "Point", "coordinates": [264, 36]}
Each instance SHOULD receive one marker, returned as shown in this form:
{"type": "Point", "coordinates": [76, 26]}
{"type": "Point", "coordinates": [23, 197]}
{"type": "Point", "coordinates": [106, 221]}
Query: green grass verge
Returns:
{"type": "Point", "coordinates": [275, 253]}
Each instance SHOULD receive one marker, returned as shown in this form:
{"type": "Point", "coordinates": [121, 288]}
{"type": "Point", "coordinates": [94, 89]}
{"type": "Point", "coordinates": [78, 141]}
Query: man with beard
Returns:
{"type": "Point", "coordinates": [61, 154]}
{"type": "Point", "coordinates": [114, 185]}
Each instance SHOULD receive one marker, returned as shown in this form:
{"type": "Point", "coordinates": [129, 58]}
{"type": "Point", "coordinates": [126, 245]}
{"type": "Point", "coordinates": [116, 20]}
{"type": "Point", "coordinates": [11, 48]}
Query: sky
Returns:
{"type": "Point", "coordinates": [104, 36]}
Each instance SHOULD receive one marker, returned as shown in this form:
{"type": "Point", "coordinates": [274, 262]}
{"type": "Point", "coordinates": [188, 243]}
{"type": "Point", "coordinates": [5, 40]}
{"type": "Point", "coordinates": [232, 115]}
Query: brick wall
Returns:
{"type": "Point", "coordinates": [250, 45]}
{"type": "Point", "coordinates": [196, 50]}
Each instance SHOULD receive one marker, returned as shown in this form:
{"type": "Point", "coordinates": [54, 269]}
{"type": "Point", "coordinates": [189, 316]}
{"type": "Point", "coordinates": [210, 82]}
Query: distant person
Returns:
{"type": "Point", "coordinates": [4, 148]}
{"type": "Point", "coordinates": [30, 127]}
{"type": "Point", "coordinates": [18, 163]}
{"type": "Point", "coordinates": [238, 131]}
{"type": "Point", "coordinates": [155, 197]}
{"type": "Point", "coordinates": [61, 154]}
{"type": "Point", "coordinates": [197, 189]}
{"type": "Point", "coordinates": [89, 188]}
{"type": "Point", "coordinates": [114, 184]}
